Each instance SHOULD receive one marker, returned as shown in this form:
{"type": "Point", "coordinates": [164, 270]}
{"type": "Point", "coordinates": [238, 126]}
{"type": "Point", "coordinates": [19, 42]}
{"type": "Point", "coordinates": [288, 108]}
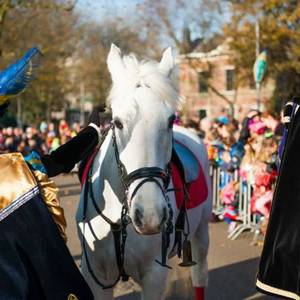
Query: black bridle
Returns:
{"type": "Point", "coordinates": [147, 174]}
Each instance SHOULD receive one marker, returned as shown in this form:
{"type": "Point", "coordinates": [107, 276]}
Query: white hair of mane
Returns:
{"type": "Point", "coordinates": [143, 73]}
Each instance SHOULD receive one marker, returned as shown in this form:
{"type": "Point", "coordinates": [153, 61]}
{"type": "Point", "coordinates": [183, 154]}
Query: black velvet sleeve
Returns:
{"type": "Point", "coordinates": [63, 159]}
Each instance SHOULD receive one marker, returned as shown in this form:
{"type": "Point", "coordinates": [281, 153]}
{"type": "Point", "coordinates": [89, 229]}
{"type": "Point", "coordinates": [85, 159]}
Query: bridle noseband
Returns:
{"type": "Point", "coordinates": [148, 174]}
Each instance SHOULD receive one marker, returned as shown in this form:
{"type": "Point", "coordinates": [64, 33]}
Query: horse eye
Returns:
{"type": "Point", "coordinates": [118, 124]}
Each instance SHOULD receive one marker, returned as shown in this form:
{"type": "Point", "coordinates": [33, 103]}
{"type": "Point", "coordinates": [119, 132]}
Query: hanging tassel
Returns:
{"type": "Point", "coordinates": [187, 259]}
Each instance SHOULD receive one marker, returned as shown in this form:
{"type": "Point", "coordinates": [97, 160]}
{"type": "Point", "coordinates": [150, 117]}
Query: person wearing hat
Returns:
{"type": "Point", "coordinates": [35, 263]}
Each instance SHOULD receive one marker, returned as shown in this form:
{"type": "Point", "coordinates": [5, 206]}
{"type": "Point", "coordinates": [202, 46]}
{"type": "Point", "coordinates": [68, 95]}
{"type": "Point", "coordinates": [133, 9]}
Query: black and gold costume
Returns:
{"type": "Point", "coordinates": [35, 263]}
{"type": "Point", "coordinates": [34, 260]}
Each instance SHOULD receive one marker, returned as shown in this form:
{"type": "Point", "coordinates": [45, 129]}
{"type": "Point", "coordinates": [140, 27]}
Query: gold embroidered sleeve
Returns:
{"type": "Point", "coordinates": [16, 178]}
{"type": "Point", "coordinates": [50, 193]}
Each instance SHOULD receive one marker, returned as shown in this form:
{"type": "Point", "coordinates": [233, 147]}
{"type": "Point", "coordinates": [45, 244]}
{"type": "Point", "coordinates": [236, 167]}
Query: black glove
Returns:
{"type": "Point", "coordinates": [95, 115]}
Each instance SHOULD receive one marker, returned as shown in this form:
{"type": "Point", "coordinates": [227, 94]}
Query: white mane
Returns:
{"type": "Point", "coordinates": [142, 74]}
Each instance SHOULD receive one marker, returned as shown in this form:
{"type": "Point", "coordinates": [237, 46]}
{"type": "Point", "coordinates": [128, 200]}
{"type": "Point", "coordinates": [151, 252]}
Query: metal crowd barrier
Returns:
{"type": "Point", "coordinates": [245, 219]}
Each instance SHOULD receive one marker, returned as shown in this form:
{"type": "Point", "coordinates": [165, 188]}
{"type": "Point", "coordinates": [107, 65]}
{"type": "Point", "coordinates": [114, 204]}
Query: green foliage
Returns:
{"type": "Point", "coordinates": [74, 62]}
{"type": "Point", "coordinates": [8, 119]}
{"type": "Point", "coordinates": [279, 22]}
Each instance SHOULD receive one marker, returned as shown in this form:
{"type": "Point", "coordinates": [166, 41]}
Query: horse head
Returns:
{"type": "Point", "coordinates": [143, 100]}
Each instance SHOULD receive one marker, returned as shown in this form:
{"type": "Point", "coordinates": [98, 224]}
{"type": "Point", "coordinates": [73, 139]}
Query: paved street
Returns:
{"type": "Point", "coordinates": [232, 264]}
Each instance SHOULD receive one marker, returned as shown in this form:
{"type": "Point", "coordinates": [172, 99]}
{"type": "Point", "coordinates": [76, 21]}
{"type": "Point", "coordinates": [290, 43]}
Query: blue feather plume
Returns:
{"type": "Point", "coordinates": [15, 78]}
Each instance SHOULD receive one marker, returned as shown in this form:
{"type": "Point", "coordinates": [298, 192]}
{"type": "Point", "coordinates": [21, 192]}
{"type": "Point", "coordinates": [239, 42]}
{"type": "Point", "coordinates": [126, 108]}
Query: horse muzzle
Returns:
{"type": "Point", "coordinates": [148, 224]}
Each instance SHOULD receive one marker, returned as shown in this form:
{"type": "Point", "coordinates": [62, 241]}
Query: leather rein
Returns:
{"type": "Point", "coordinates": [147, 174]}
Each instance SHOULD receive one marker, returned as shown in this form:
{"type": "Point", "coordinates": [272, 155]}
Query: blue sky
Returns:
{"type": "Point", "coordinates": [96, 9]}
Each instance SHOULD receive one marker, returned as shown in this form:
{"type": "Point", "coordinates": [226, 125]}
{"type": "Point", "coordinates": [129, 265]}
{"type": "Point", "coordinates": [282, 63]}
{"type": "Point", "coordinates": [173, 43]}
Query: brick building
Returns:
{"type": "Point", "coordinates": [206, 78]}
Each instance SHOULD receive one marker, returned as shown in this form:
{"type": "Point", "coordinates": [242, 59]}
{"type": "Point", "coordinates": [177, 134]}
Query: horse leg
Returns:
{"type": "Point", "coordinates": [98, 292]}
{"type": "Point", "coordinates": [153, 283]}
{"type": "Point", "coordinates": [200, 243]}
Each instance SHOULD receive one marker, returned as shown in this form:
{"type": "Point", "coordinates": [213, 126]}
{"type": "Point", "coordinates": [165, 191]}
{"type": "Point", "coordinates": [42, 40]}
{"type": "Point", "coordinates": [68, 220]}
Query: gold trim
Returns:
{"type": "Point", "coordinates": [3, 99]}
{"type": "Point", "coordinates": [16, 178]}
{"type": "Point", "coordinates": [72, 297]}
{"type": "Point", "coordinates": [35, 161]}
{"type": "Point", "coordinates": [276, 291]}
{"type": "Point", "coordinates": [50, 194]}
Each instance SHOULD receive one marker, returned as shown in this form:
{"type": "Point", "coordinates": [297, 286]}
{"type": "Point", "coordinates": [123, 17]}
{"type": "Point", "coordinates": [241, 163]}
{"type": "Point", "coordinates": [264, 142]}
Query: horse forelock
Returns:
{"type": "Point", "coordinates": [144, 73]}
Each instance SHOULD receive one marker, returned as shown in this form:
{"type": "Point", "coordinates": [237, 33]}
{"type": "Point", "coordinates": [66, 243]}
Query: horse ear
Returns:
{"type": "Point", "coordinates": [166, 64]}
{"type": "Point", "coordinates": [115, 62]}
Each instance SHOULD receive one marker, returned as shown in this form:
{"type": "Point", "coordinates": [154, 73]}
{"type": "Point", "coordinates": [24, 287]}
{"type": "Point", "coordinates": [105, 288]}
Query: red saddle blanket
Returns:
{"type": "Point", "coordinates": [197, 189]}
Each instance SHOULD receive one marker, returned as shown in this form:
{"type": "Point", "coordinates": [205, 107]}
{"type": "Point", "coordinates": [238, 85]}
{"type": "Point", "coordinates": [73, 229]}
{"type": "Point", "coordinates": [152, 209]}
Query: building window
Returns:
{"type": "Point", "coordinates": [230, 80]}
{"type": "Point", "coordinates": [202, 81]}
{"type": "Point", "coordinates": [202, 113]}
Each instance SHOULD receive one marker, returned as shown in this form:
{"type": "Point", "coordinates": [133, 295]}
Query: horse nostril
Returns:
{"type": "Point", "coordinates": [138, 215]}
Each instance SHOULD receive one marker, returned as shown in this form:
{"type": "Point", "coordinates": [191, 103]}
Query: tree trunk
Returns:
{"type": "Point", "coordinates": [3, 12]}
{"type": "Point", "coordinates": [48, 114]}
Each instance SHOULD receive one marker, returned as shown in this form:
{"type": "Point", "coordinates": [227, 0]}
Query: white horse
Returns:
{"type": "Point", "coordinates": [143, 101]}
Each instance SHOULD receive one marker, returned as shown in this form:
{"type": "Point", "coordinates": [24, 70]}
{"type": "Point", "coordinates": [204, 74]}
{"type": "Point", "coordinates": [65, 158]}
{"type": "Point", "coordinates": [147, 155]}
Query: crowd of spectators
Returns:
{"type": "Point", "coordinates": [248, 149]}
{"type": "Point", "coordinates": [249, 146]}
{"type": "Point", "coordinates": [44, 139]}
